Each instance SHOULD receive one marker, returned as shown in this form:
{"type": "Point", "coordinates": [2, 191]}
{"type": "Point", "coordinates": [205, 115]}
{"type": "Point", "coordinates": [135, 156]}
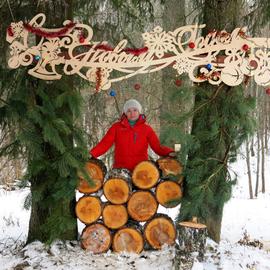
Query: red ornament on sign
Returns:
{"type": "Point", "coordinates": [42, 33]}
{"type": "Point", "coordinates": [178, 82]}
{"type": "Point", "coordinates": [81, 39]}
{"type": "Point", "coordinates": [10, 32]}
{"type": "Point", "coordinates": [267, 91]}
{"type": "Point", "coordinates": [191, 45]}
{"type": "Point", "coordinates": [253, 63]}
{"type": "Point", "coordinates": [137, 86]}
{"type": "Point", "coordinates": [245, 47]}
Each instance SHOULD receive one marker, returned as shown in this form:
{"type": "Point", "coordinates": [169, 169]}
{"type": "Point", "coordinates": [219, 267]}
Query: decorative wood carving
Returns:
{"type": "Point", "coordinates": [218, 57]}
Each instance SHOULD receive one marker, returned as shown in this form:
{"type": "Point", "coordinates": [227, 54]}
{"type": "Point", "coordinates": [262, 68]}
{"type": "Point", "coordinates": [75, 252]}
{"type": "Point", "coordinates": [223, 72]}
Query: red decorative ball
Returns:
{"type": "Point", "coordinates": [81, 39]}
{"type": "Point", "coordinates": [267, 91]}
{"type": "Point", "coordinates": [9, 31]}
{"type": "Point", "coordinates": [137, 86]}
{"type": "Point", "coordinates": [253, 63]}
{"type": "Point", "coordinates": [191, 45]}
{"type": "Point", "coordinates": [178, 82]}
{"type": "Point", "coordinates": [245, 47]}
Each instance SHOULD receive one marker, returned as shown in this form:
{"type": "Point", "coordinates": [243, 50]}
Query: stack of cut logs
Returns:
{"type": "Point", "coordinates": [131, 199]}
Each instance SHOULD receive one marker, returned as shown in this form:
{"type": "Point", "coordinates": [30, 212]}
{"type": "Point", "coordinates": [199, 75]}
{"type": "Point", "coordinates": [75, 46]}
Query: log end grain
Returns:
{"type": "Point", "coordinates": [145, 175]}
{"type": "Point", "coordinates": [160, 231]}
{"type": "Point", "coordinates": [96, 238]}
{"type": "Point", "coordinates": [116, 190]}
{"type": "Point", "coordinates": [115, 216]}
{"type": "Point", "coordinates": [128, 240]}
{"type": "Point", "coordinates": [88, 209]}
{"type": "Point", "coordinates": [142, 205]}
{"type": "Point", "coordinates": [168, 194]}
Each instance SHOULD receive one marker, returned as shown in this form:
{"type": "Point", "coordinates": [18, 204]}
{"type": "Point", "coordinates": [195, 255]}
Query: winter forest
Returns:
{"type": "Point", "coordinates": [219, 133]}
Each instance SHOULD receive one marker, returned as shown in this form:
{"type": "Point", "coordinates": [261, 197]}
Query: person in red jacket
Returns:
{"type": "Point", "coordinates": [131, 137]}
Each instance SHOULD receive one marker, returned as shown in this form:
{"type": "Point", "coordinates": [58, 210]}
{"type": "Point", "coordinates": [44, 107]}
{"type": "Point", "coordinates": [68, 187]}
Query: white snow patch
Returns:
{"type": "Point", "coordinates": [241, 215]}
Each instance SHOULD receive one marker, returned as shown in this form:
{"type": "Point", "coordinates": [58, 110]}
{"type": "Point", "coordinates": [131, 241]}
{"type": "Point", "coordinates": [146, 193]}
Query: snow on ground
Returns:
{"type": "Point", "coordinates": [13, 217]}
{"type": "Point", "coordinates": [242, 216]}
{"type": "Point", "coordinates": [69, 256]}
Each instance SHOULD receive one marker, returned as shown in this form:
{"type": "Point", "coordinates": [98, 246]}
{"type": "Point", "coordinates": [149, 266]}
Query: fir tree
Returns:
{"type": "Point", "coordinates": [221, 122]}
{"type": "Point", "coordinates": [44, 116]}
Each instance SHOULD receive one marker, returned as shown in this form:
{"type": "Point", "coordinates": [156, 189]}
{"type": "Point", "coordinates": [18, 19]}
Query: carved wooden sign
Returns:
{"type": "Point", "coordinates": [217, 57]}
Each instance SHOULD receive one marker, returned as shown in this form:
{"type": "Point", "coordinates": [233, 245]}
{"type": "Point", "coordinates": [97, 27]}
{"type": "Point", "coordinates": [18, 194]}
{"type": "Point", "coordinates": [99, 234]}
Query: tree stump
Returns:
{"type": "Point", "coordinates": [168, 194]}
{"type": "Point", "coordinates": [192, 237]}
{"type": "Point", "coordinates": [128, 239]}
{"type": "Point", "coordinates": [160, 230]}
{"type": "Point", "coordinates": [142, 205]}
{"type": "Point", "coordinates": [96, 170]}
{"type": "Point", "coordinates": [96, 238]}
{"type": "Point", "coordinates": [171, 169]}
{"type": "Point", "coordinates": [145, 175]}
{"type": "Point", "coordinates": [114, 216]}
{"type": "Point", "coordinates": [88, 209]}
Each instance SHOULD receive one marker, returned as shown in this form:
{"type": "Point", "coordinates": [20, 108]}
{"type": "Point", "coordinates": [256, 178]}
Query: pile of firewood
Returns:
{"type": "Point", "coordinates": [131, 200]}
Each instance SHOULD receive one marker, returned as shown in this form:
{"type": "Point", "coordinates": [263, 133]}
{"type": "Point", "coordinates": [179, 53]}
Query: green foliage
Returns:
{"type": "Point", "coordinates": [28, 202]}
{"type": "Point", "coordinates": [173, 177]}
{"type": "Point", "coordinates": [173, 202]}
{"type": "Point", "coordinates": [221, 121]}
{"type": "Point", "coordinates": [176, 120]}
{"type": "Point", "coordinates": [43, 118]}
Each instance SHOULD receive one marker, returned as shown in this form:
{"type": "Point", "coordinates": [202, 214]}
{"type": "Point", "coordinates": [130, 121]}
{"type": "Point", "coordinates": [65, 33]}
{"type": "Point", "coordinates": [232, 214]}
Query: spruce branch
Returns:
{"type": "Point", "coordinates": [173, 202]}
{"type": "Point", "coordinates": [2, 100]}
{"type": "Point", "coordinates": [208, 180]}
{"type": "Point", "coordinates": [215, 94]}
{"type": "Point", "coordinates": [219, 168]}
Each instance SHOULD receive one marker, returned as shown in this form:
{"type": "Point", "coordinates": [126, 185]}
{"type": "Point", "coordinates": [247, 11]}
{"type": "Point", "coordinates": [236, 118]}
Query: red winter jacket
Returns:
{"type": "Point", "coordinates": [131, 143]}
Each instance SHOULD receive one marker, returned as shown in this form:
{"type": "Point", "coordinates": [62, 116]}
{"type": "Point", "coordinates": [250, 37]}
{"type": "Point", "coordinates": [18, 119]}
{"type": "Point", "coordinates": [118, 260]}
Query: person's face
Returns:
{"type": "Point", "coordinates": [132, 114]}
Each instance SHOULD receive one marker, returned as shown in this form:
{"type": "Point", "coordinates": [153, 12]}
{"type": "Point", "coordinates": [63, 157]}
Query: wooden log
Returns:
{"type": "Point", "coordinates": [114, 216]}
{"type": "Point", "coordinates": [168, 194]}
{"type": "Point", "coordinates": [128, 239]}
{"type": "Point", "coordinates": [121, 173]}
{"type": "Point", "coordinates": [171, 169]}
{"type": "Point", "coordinates": [117, 187]}
{"type": "Point", "coordinates": [96, 170]}
{"type": "Point", "coordinates": [142, 205]}
{"type": "Point", "coordinates": [160, 230]}
{"type": "Point", "coordinates": [96, 238]}
{"type": "Point", "coordinates": [117, 190]}
{"type": "Point", "coordinates": [88, 209]}
{"type": "Point", "coordinates": [192, 237]}
{"type": "Point", "coordinates": [145, 175]}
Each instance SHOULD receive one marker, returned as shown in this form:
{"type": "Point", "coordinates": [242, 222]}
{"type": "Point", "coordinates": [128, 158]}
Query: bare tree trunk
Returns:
{"type": "Point", "coordinates": [265, 116]}
{"type": "Point", "coordinates": [263, 162]}
{"type": "Point", "coordinates": [249, 172]}
{"type": "Point", "coordinates": [252, 152]}
{"type": "Point", "coordinates": [253, 92]}
{"type": "Point", "coordinates": [258, 164]}
{"type": "Point", "coordinates": [262, 127]}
